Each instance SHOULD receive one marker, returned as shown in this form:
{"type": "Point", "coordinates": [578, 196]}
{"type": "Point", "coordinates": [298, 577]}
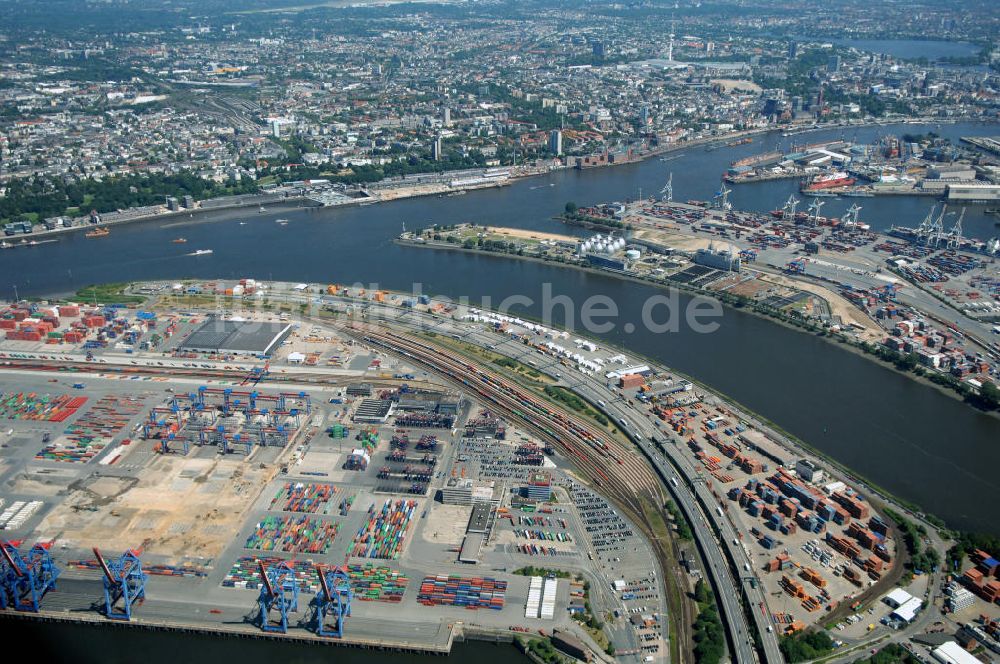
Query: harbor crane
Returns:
{"type": "Point", "coordinates": [788, 209]}
{"type": "Point", "coordinates": [888, 292]}
{"type": "Point", "coordinates": [667, 193]}
{"type": "Point", "coordinates": [334, 601]}
{"type": "Point", "coordinates": [931, 229]}
{"type": "Point", "coordinates": [26, 578]}
{"type": "Point", "coordinates": [936, 230]}
{"type": "Point", "coordinates": [722, 198]}
{"type": "Point", "coordinates": [124, 583]}
{"type": "Point", "coordinates": [850, 218]}
{"type": "Point", "coordinates": [258, 374]}
{"type": "Point", "coordinates": [954, 238]}
{"type": "Point", "coordinates": [278, 592]}
{"type": "Point", "coordinates": [925, 226]}
{"type": "Point", "coordinates": [797, 266]}
{"type": "Point", "coordinates": [814, 209]}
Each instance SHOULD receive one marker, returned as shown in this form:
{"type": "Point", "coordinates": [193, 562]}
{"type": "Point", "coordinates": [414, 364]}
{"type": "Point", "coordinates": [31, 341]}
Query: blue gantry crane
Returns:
{"type": "Point", "coordinates": [257, 374]}
{"type": "Point", "coordinates": [887, 293]}
{"type": "Point", "coordinates": [26, 578]}
{"type": "Point", "coordinates": [333, 600]}
{"type": "Point", "coordinates": [7, 576]}
{"type": "Point", "coordinates": [124, 584]}
{"type": "Point", "coordinates": [278, 592]}
{"type": "Point", "coordinates": [796, 266]}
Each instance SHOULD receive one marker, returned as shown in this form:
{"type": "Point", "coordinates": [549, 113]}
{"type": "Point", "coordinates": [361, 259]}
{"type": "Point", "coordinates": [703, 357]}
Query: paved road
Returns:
{"type": "Point", "coordinates": [693, 496]}
{"type": "Point", "coordinates": [717, 542]}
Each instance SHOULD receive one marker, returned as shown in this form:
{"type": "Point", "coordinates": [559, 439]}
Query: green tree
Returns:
{"type": "Point", "coordinates": [989, 394]}
{"type": "Point", "coordinates": [805, 645]}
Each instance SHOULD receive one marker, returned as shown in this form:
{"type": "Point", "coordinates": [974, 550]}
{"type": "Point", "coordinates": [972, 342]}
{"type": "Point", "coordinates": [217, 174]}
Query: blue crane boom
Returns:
{"type": "Point", "coordinates": [334, 600]}
{"type": "Point", "coordinates": [124, 584]}
{"type": "Point", "coordinates": [26, 578]}
{"type": "Point", "coordinates": [279, 592]}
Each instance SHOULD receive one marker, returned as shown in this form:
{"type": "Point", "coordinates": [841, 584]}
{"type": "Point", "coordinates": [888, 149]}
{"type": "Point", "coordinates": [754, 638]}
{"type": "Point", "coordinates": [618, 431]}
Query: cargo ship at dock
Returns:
{"type": "Point", "coordinates": [827, 181]}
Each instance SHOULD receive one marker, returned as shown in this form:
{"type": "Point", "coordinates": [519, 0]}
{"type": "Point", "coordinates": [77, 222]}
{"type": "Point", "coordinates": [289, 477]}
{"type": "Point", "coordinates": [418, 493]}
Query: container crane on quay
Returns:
{"type": "Point", "coordinates": [334, 600]}
{"type": "Point", "coordinates": [278, 592]}
{"type": "Point", "coordinates": [124, 583]}
{"type": "Point", "coordinates": [26, 578]}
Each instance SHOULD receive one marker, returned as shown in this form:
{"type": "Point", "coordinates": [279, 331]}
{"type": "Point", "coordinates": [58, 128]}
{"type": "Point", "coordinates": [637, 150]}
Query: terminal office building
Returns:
{"type": "Point", "coordinates": [237, 337]}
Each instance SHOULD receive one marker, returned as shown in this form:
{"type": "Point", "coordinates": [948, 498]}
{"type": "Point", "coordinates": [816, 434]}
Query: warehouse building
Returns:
{"type": "Point", "coordinates": [570, 645]}
{"type": "Point", "coordinates": [237, 337]}
{"type": "Point", "coordinates": [952, 653]}
{"type": "Point", "coordinates": [908, 611]}
{"type": "Point", "coordinates": [973, 192]}
{"type": "Point", "coordinates": [897, 598]}
{"type": "Point", "coordinates": [359, 390]}
{"type": "Point", "coordinates": [374, 411]}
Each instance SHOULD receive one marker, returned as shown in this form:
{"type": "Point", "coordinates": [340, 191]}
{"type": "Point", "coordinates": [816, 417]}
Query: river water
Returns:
{"type": "Point", "coordinates": [926, 447]}
{"type": "Point", "coordinates": [56, 643]}
{"type": "Point", "coordinates": [912, 48]}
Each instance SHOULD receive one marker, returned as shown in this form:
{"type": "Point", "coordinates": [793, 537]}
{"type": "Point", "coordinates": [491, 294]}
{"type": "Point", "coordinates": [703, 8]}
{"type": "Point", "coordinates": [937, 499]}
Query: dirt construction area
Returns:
{"type": "Point", "coordinates": [839, 306]}
{"type": "Point", "coordinates": [177, 507]}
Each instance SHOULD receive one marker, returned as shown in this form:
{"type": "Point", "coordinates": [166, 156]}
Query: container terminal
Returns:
{"type": "Point", "coordinates": [355, 469]}
{"type": "Point", "coordinates": [889, 165]}
{"type": "Point", "coordinates": [925, 289]}
{"type": "Point", "coordinates": [172, 476]}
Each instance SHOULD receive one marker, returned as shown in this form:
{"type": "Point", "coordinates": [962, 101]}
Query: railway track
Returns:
{"type": "Point", "coordinates": [622, 475]}
{"type": "Point", "coordinates": [71, 368]}
{"type": "Point", "coordinates": [604, 458]}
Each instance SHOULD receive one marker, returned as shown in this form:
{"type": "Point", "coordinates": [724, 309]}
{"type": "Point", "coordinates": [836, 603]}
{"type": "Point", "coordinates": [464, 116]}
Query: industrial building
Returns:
{"type": "Point", "coordinates": [359, 390]}
{"type": "Point", "coordinates": [429, 402]}
{"type": "Point", "coordinates": [809, 471]}
{"type": "Point", "coordinates": [237, 337]}
{"type": "Point", "coordinates": [539, 486]}
{"type": "Point", "coordinates": [952, 653]}
{"type": "Point", "coordinates": [374, 411]}
{"type": "Point", "coordinates": [973, 192]}
{"type": "Point", "coordinates": [905, 606]}
{"type": "Point", "coordinates": [720, 259]}
{"type": "Point", "coordinates": [463, 491]}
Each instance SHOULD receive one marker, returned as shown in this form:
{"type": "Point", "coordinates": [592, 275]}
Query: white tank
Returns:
{"type": "Point", "coordinates": [632, 254]}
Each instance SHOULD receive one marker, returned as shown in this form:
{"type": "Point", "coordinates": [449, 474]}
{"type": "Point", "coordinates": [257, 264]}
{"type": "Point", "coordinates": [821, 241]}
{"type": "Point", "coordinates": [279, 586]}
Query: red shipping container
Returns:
{"type": "Point", "coordinates": [8, 324]}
